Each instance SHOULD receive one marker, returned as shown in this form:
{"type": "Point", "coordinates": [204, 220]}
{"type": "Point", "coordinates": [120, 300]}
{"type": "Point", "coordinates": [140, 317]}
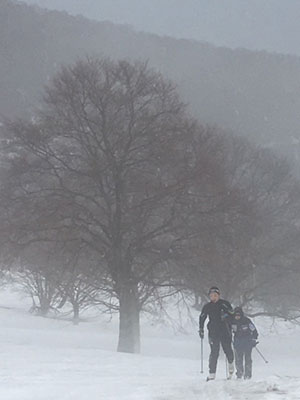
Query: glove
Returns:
{"type": "Point", "coordinates": [254, 342]}
{"type": "Point", "coordinates": [224, 315]}
{"type": "Point", "coordinates": [201, 333]}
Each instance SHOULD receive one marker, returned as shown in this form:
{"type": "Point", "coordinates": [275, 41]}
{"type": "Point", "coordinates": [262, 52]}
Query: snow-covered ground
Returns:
{"type": "Point", "coordinates": [45, 359]}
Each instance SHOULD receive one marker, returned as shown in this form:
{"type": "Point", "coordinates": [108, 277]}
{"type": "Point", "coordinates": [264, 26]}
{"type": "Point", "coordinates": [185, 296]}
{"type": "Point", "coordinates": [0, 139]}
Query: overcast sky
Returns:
{"type": "Point", "coordinates": [255, 24]}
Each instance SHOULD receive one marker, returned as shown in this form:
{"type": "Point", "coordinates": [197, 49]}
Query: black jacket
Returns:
{"type": "Point", "coordinates": [218, 314]}
{"type": "Point", "coordinates": [243, 329]}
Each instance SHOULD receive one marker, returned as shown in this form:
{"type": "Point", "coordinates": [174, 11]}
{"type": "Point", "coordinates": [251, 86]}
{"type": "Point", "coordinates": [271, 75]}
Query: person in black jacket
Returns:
{"type": "Point", "coordinates": [218, 311]}
{"type": "Point", "coordinates": [245, 338]}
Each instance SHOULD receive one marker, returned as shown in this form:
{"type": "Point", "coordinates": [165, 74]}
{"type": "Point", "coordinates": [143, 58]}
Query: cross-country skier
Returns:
{"type": "Point", "coordinates": [245, 338]}
{"type": "Point", "coordinates": [219, 332]}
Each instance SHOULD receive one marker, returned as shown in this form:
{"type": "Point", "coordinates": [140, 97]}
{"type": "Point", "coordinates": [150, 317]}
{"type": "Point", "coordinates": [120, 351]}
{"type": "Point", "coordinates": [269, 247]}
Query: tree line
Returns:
{"type": "Point", "coordinates": [113, 195]}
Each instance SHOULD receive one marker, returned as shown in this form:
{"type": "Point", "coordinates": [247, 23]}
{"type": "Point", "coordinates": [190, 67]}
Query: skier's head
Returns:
{"type": "Point", "coordinates": [214, 294]}
{"type": "Point", "coordinates": [238, 313]}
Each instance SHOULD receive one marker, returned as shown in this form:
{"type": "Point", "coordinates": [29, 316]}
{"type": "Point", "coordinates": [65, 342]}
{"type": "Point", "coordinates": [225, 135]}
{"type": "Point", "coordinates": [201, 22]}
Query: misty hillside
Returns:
{"type": "Point", "coordinates": [255, 94]}
{"type": "Point", "coordinates": [231, 23]}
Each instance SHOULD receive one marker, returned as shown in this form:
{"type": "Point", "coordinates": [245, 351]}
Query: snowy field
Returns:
{"type": "Point", "coordinates": [46, 359]}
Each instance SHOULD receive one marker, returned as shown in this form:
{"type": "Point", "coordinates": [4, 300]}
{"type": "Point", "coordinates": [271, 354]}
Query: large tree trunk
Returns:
{"type": "Point", "coordinates": [44, 308]}
{"type": "Point", "coordinates": [129, 328]}
{"type": "Point", "coordinates": [197, 300]}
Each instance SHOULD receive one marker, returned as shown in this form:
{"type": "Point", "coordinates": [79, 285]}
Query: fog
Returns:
{"type": "Point", "coordinates": [257, 24]}
{"type": "Point", "coordinates": [149, 199]}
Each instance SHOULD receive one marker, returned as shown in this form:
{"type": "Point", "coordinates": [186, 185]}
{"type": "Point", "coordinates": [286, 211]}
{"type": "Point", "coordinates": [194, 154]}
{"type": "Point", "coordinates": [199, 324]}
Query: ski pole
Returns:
{"type": "Point", "coordinates": [262, 356]}
{"type": "Point", "coordinates": [202, 356]}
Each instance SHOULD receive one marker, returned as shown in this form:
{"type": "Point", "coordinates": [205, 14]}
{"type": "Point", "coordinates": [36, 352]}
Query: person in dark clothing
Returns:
{"type": "Point", "coordinates": [245, 338]}
{"type": "Point", "coordinates": [218, 311]}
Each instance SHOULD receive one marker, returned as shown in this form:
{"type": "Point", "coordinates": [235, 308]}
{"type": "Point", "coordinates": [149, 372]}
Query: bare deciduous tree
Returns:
{"type": "Point", "coordinates": [106, 162]}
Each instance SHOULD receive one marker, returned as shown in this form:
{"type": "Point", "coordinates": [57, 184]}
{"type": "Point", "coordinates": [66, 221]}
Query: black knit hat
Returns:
{"type": "Point", "coordinates": [214, 289]}
{"type": "Point", "coordinates": [238, 311]}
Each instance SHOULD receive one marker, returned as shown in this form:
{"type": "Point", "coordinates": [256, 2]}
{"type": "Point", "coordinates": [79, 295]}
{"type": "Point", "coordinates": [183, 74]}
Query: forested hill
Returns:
{"type": "Point", "coordinates": [256, 94]}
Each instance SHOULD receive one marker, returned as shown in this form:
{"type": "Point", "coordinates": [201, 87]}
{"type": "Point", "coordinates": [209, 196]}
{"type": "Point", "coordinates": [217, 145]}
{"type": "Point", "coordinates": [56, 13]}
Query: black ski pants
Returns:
{"type": "Point", "coordinates": [243, 360]}
{"type": "Point", "coordinates": [215, 341]}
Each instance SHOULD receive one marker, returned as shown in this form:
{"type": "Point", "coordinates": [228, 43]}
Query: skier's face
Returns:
{"type": "Point", "coordinates": [237, 316]}
{"type": "Point", "coordinates": [214, 297]}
